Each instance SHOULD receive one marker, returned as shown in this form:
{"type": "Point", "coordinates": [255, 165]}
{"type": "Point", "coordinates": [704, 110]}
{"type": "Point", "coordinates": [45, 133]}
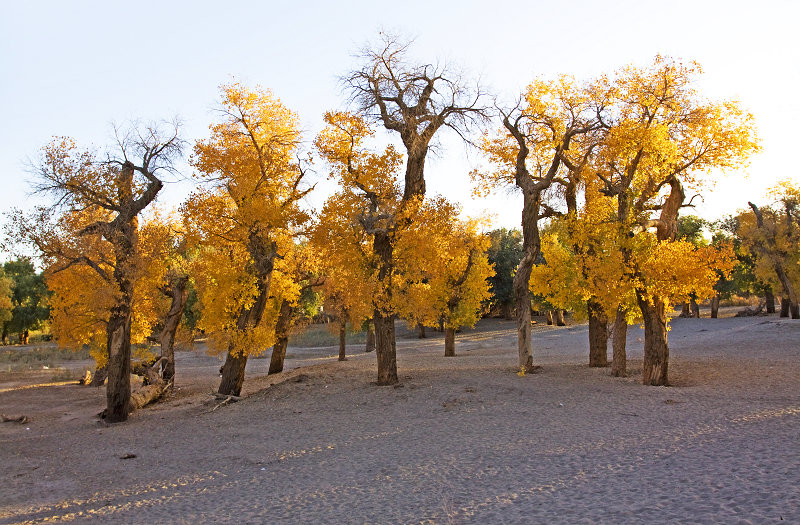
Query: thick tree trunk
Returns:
{"type": "Point", "coordinates": [619, 364]}
{"type": "Point", "coordinates": [176, 291]}
{"type": "Point", "coordinates": [118, 390]}
{"type": "Point", "coordinates": [656, 349]}
{"type": "Point", "coordinates": [342, 338]}
{"type": "Point", "coordinates": [523, 303]}
{"type": "Point", "coordinates": [695, 308]}
{"type": "Point", "coordinates": [560, 317]}
{"type": "Point", "coordinates": [449, 342]}
{"type": "Point", "coordinates": [769, 297]}
{"type": "Point", "coordinates": [549, 317]}
{"type": "Point", "coordinates": [421, 331]}
{"type": "Point", "coordinates": [232, 374]}
{"type": "Point", "coordinates": [715, 307]}
{"type": "Point", "coordinates": [282, 326]}
{"type": "Point", "coordinates": [415, 173]}
{"type": "Point", "coordinates": [385, 349]}
{"type": "Point", "coordinates": [784, 306]}
{"type": "Point", "coordinates": [370, 344]}
{"type": "Point", "coordinates": [598, 335]}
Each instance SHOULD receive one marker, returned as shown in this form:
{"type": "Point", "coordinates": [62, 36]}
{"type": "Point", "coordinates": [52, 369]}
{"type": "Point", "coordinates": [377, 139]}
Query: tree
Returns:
{"type": "Point", "coordinates": [113, 191]}
{"type": "Point", "coordinates": [29, 299]}
{"type": "Point", "coordinates": [546, 134]}
{"type": "Point", "coordinates": [243, 221]}
{"type": "Point", "coordinates": [504, 253]}
{"type": "Point", "coordinates": [663, 138]}
{"type": "Point", "coordinates": [6, 306]}
{"type": "Point", "coordinates": [414, 101]}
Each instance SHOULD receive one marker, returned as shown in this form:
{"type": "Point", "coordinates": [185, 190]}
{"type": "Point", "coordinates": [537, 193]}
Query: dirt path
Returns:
{"type": "Point", "coordinates": [463, 440]}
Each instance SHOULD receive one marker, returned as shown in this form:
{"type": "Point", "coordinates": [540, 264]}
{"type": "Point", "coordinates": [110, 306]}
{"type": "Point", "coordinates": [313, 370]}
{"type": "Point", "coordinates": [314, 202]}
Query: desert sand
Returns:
{"type": "Point", "coordinates": [461, 440]}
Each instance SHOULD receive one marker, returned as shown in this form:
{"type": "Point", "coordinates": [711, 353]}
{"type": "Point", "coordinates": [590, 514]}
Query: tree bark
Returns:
{"type": "Point", "coordinates": [385, 349]}
{"type": "Point", "coordinates": [695, 308]}
{"type": "Point", "coordinates": [177, 292]}
{"type": "Point", "coordinates": [656, 350]}
{"type": "Point", "coordinates": [619, 365]}
{"type": "Point", "coordinates": [715, 307]}
{"type": "Point", "coordinates": [685, 310]}
{"type": "Point", "coordinates": [549, 317]}
{"type": "Point", "coordinates": [784, 306]}
{"type": "Point", "coordinates": [342, 338]}
{"type": "Point", "coordinates": [370, 344]}
{"type": "Point", "coordinates": [769, 297]}
{"type": "Point", "coordinates": [598, 335]}
{"type": "Point", "coordinates": [560, 317]}
{"type": "Point", "coordinates": [795, 311]}
{"type": "Point", "coordinates": [118, 390]}
{"type": "Point", "coordinates": [421, 331]}
{"type": "Point", "coordinates": [449, 342]}
{"type": "Point", "coordinates": [282, 326]}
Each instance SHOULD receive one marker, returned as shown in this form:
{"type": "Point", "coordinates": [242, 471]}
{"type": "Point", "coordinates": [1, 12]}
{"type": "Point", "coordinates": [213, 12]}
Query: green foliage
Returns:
{"type": "Point", "coordinates": [29, 297]}
{"type": "Point", "coordinates": [504, 253]}
{"type": "Point", "coordinates": [690, 228]}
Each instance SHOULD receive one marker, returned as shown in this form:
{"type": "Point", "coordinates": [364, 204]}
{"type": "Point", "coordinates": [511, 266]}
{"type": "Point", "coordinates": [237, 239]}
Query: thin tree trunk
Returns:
{"type": "Point", "coordinates": [282, 326]}
{"type": "Point", "coordinates": [619, 365]}
{"type": "Point", "coordinates": [176, 290]}
{"type": "Point", "coordinates": [715, 306]}
{"type": "Point", "coordinates": [769, 297]}
{"type": "Point", "coordinates": [784, 306]}
{"type": "Point", "coordinates": [385, 349]}
{"type": "Point", "coordinates": [370, 344]}
{"type": "Point", "coordinates": [598, 335]}
{"type": "Point", "coordinates": [656, 349]}
{"type": "Point", "coordinates": [342, 338]}
{"type": "Point", "coordinates": [449, 342]}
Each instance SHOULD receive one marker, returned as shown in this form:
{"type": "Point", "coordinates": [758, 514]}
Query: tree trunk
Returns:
{"type": "Point", "coordinates": [449, 342]}
{"type": "Point", "coordinates": [232, 374]}
{"type": "Point", "coordinates": [598, 335]}
{"type": "Point", "coordinates": [549, 317]}
{"type": "Point", "coordinates": [560, 317]}
{"type": "Point", "coordinates": [619, 365]}
{"type": "Point", "coordinates": [685, 310]}
{"type": "Point", "coordinates": [784, 306]}
{"type": "Point", "coordinates": [421, 331]}
{"type": "Point", "coordinates": [795, 311]}
{"type": "Point", "coordinates": [370, 344]}
{"type": "Point", "coordinates": [695, 308]}
{"type": "Point", "coordinates": [769, 297]}
{"type": "Point", "coordinates": [100, 376]}
{"type": "Point", "coordinates": [282, 326]}
{"type": "Point", "coordinates": [656, 350]}
{"type": "Point", "coordinates": [118, 390]}
{"type": "Point", "coordinates": [176, 291]}
{"type": "Point", "coordinates": [523, 302]}
{"type": "Point", "coordinates": [385, 349]}
{"type": "Point", "coordinates": [508, 311]}
{"type": "Point", "coordinates": [715, 307]}
{"type": "Point", "coordinates": [415, 173]}
{"type": "Point", "coordinates": [342, 338]}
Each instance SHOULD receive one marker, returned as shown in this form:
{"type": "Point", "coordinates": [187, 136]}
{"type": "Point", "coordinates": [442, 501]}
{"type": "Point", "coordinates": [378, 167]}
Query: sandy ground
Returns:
{"type": "Point", "coordinates": [461, 440]}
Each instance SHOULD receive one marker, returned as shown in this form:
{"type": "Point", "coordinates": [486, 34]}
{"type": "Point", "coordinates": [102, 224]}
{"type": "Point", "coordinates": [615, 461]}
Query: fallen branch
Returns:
{"type": "Point", "coordinates": [13, 419]}
{"type": "Point", "coordinates": [750, 312]}
{"type": "Point", "coordinates": [226, 400]}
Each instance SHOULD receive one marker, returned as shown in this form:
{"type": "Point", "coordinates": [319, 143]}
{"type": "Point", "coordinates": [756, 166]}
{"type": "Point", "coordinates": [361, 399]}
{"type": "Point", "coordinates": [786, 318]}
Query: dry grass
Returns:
{"type": "Point", "coordinates": [37, 357]}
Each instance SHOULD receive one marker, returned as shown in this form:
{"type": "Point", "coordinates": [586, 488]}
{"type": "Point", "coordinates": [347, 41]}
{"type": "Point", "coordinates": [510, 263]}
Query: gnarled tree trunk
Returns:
{"type": "Point", "coordinates": [176, 291]}
{"type": "Point", "coordinates": [598, 335]}
{"type": "Point", "coordinates": [656, 350]}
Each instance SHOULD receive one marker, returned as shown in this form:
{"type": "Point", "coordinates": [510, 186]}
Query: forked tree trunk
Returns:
{"type": "Point", "coordinates": [656, 350]}
{"type": "Point", "coordinates": [370, 344]}
{"type": "Point", "coordinates": [282, 326]}
{"type": "Point", "coordinates": [619, 364]}
{"type": "Point", "coordinates": [769, 297]}
{"type": "Point", "coordinates": [385, 349]}
{"type": "Point", "coordinates": [695, 308]}
{"type": "Point", "coordinates": [549, 317]}
{"type": "Point", "coordinates": [176, 291]}
{"type": "Point", "coordinates": [598, 335]}
{"type": "Point", "coordinates": [342, 338]}
{"type": "Point", "coordinates": [449, 342]}
{"type": "Point", "coordinates": [784, 306]}
{"type": "Point", "coordinates": [715, 307]}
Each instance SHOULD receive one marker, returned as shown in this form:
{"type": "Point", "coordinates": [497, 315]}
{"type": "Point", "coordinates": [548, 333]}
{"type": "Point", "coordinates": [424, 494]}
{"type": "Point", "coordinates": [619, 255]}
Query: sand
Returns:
{"type": "Point", "coordinates": [461, 440]}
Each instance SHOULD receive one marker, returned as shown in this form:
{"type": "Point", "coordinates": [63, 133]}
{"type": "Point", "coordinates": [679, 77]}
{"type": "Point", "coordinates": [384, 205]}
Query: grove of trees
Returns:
{"type": "Point", "coordinates": [603, 165]}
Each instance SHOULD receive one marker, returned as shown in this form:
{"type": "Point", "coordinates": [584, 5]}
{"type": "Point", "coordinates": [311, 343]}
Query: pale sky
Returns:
{"type": "Point", "coordinates": [72, 68]}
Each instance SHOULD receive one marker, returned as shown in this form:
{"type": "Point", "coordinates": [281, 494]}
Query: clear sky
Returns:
{"type": "Point", "coordinates": [72, 68]}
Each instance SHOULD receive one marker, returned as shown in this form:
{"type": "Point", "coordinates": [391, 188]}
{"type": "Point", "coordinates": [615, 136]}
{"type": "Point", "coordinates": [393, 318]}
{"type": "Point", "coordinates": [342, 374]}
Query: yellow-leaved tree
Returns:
{"type": "Point", "coordinates": [243, 220]}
